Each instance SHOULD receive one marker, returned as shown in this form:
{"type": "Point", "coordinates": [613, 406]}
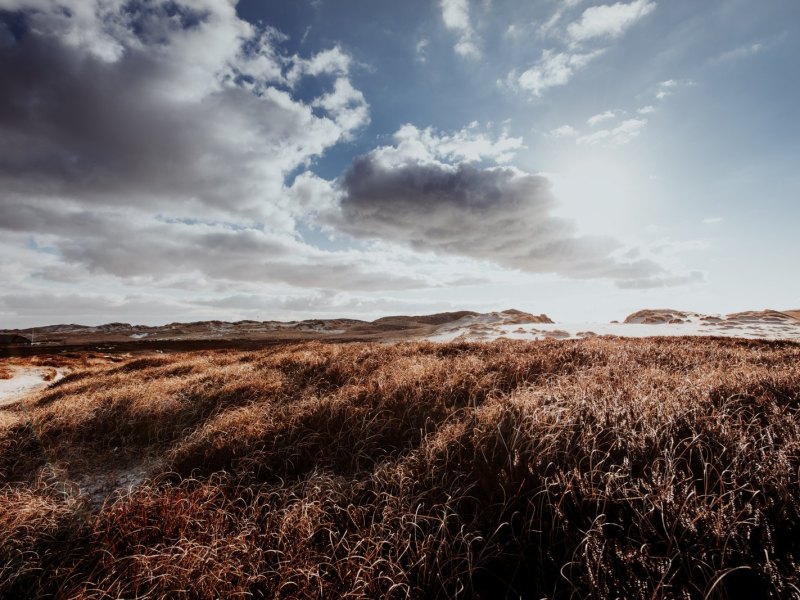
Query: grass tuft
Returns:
{"type": "Point", "coordinates": [599, 468]}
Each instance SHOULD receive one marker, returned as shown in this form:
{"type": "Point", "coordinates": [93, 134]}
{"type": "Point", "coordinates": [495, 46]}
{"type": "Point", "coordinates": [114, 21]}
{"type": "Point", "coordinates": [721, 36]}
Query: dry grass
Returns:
{"type": "Point", "coordinates": [598, 468]}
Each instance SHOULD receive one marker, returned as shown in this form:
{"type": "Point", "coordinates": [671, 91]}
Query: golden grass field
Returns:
{"type": "Point", "coordinates": [600, 468]}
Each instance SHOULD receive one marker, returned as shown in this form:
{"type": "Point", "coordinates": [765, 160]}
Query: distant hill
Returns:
{"type": "Point", "coordinates": [388, 328]}
{"type": "Point", "coordinates": [434, 319]}
{"type": "Point", "coordinates": [12, 339]}
{"type": "Point", "coordinates": [745, 318]}
{"type": "Point", "coordinates": [657, 316]}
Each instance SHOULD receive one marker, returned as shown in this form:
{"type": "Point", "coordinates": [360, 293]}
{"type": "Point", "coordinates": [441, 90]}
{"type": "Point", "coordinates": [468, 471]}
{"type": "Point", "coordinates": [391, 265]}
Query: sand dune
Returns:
{"type": "Point", "coordinates": [766, 324]}
{"type": "Point", "coordinates": [464, 325]}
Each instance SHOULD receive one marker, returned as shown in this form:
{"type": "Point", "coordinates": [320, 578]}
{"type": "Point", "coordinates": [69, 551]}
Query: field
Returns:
{"type": "Point", "coordinates": [595, 468]}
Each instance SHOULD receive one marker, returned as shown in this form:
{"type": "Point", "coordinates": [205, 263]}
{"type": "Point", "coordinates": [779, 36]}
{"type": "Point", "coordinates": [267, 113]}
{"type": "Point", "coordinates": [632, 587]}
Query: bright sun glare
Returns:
{"type": "Point", "coordinates": [598, 192]}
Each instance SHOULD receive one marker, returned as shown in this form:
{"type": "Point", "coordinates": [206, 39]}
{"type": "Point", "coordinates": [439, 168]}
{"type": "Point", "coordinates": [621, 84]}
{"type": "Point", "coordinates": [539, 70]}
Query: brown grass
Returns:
{"type": "Point", "coordinates": [598, 468]}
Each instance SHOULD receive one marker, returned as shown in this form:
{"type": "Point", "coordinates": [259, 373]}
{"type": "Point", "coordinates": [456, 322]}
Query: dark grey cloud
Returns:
{"type": "Point", "coordinates": [498, 214]}
{"type": "Point", "coordinates": [138, 130]}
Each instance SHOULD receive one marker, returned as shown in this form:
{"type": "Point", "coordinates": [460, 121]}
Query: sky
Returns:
{"type": "Point", "coordinates": [170, 161]}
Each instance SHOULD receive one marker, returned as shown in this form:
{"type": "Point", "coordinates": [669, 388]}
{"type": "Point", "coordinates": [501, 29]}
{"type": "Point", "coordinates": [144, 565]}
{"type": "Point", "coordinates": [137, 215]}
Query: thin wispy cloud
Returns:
{"type": "Point", "coordinates": [596, 24]}
{"type": "Point", "coordinates": [620, 135]}
{"type": "Point", "coordinates": [565, 131]}
{"type": "Point", "coordinates": [421, 50]}
{"type": "Point", "coordinates": [742, 51]}
{"type": "Point", "coordinates": [600, 117]}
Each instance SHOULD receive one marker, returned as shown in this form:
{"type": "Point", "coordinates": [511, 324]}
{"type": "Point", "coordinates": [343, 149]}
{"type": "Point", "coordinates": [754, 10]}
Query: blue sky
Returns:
{"type": "Point", "coordinates": [352, 158]}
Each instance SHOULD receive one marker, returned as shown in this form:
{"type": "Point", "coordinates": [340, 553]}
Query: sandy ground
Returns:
{"type": "Point", "coordinates": [539, 331]}
{"type": "Point", "coordinates": [25, 381]}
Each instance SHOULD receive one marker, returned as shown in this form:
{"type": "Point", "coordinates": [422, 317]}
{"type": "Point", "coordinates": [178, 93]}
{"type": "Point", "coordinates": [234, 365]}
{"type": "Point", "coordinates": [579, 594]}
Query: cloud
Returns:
{"type": "Point", "coordinates": [617, 136]}
{"type": "Point", "coordinates": [662, 282]}
{"type": "Point", "coordinates": [550, 24]}
{"type": "Point", "coordinates": [466, 145]}
{"type": "Point", "coordinates": [164, 116]}
{"type": "Point", "coordinates": [646, 110]}
{"type": "Point", "coordinates": [668, 87]}
{"type": "Point", "coordinates": [497, 214]}
{"type": "Point", "coordinates": [455, 14]}
{"type": "Point", "coordinates": [608, 21]}
{"type": "Point", "coordinates": [600, 117]}
{"type": "Point", "coordinates": [564, 131]}
{"type": "Point", "coordinates": [713, 220]}
{"type": "Point", "coordinates": [739, 53]}
{"type": "Point", "coordinates": [333, 61]}
{"type": "Point", "coordinates": [421, 50]}
{"type": "Point", "coordinates": [147, 145]}
{"type": "Point", "coordinates": [554, 69]}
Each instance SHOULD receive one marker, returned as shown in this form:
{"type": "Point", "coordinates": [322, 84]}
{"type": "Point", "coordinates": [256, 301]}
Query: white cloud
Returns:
{"type": "Point", "coordinates": [618, 136]}
{"type": "Point", "coordinates": [713, 220]}
{"type": "Point", "coordinates": [421, 50]}
{"type": "Point", "coordinates": [455, 14]}
{"type": "Point", "coordinates": [668, 87]}
{"type": "Point", "coordinates": [466, 145]}
{"type": "Point", "coordinates": [740, 52]}
{"type": "Point", "coordinates": [608, 21]}
{"type": "Point", "coordinates": [564, 131]}
{"type": "Point", "coordinates": [549, 25]}
{"type": "Point", "coordinates": [646, 110]}
{"type": "Point", "coordinates": [554, 69]}
{"type": "Point", "coordinates": [600, 117]}
{"type": "Point", "coordinates": [333, 61]}
{"type": "Point", "coordinates": [346, 105]}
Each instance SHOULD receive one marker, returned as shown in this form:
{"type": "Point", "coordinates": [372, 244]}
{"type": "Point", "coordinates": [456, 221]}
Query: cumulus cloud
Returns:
{"type": "Point", "coordinates": [148, 140]}
{"type": "Point", "coordinates": [554, 69]}
{"type": "Point", "coordinates": [147, 107]}
{"type": "Point", "coordinates": [616, 136]}
{"type": "Point", "coordinates": [469, 144]}
{"type": "Point", "coordinates": [609, 21]}
{"type": "Point", "coordinates": [455, 15]}
{"type": "Point", "coordinates": [499, 214]}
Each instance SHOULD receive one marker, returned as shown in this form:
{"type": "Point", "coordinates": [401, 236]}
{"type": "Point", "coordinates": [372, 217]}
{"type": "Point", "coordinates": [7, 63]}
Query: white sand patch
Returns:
{"type": "Point", "coordinates": [694, 327]}
{"type": "Point", "coordinates": [25, 381]}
